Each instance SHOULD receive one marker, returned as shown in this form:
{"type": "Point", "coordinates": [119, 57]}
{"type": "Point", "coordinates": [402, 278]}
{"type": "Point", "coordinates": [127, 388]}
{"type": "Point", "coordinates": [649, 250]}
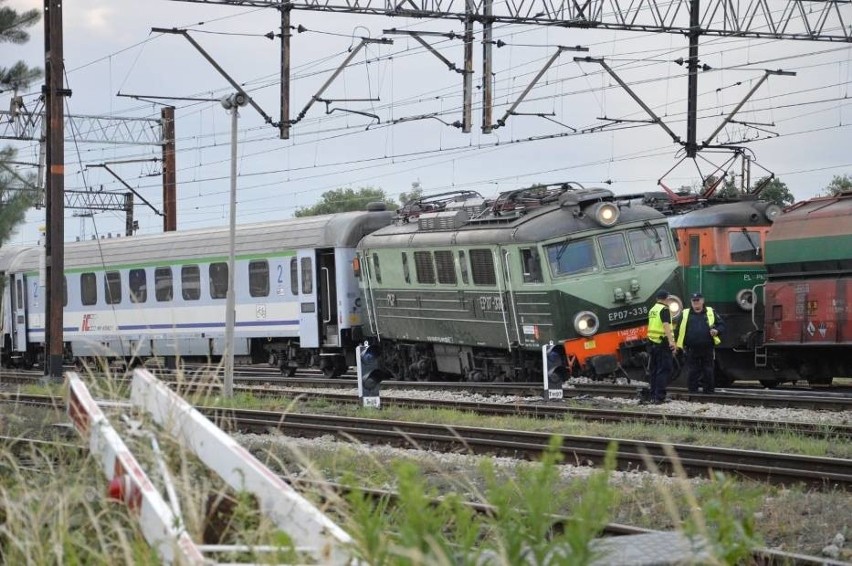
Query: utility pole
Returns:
{"type": "Point", "coordinates": [55, 93]}
{"type": "Point", "coordinates": [167, 115]}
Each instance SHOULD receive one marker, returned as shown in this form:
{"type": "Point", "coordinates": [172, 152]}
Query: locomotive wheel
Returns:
{"type": "Point", "coordinates": [769, 383]}
{"type": "Point", "coordinates": [331, 372]}
{"type": "Point", "coordinates": [288, 371]}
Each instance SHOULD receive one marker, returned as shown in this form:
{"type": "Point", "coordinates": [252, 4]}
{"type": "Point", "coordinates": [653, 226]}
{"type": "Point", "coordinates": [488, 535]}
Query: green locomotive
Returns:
{"type": "Point", "coordinates": [466, 288]}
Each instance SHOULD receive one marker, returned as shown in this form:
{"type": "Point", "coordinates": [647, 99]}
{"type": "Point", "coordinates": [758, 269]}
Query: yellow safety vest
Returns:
{"type": "Point", "coordinates": [656, 332]}
{"type": "Point", "coordinates": [681, 331]}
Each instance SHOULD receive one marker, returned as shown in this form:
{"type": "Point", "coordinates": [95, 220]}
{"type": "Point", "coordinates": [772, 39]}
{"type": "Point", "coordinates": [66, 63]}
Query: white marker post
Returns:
{"type": "Point", "coordinates": [368, 388]}
{"type": "Point", "coordinates": [552, 372]}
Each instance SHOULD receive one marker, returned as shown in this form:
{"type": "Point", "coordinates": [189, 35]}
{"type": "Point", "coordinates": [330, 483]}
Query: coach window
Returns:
{"type": "Point", "coordinates": [424, 267]}
{"type": "Point", "coordinates": [376, 268]}
{"type": "Point", "coordinates": [88, 288]}
{"type": "Point", "coordinates": [694, 250]}
{"type": "Point", "coordinates": [163, 286]}
{"type": "Point", "coordinates": [190, 282]}
{"type": "Point", "coordinates": [259, 278]}
{"type": "Point", "coordinates": [571, 258]}
{"type": "Point", "coordinates": [446, 267]}
{"type": "Point", "coordinates": [614, 250]}
{"type": "Point", "coordinates": [294, 276]}
{"type": "Point", "coordinates": [463, 267]}
{"type": "Point", "coordinates": [406, 271]}
{"type": "Point", "coordinates": [112, 287]}
{"type": "Point", "coordinates": [531, 265]}
{"type": "Point", "coordinates": [482, 267]}
{"type": "Point", "coordinates": [745, 246]}
{"type": "Point", "coordinates": [138, 286]}
{"type": "Point", "coordinates": [307, 276]}
{"type": "Point", "coordinates": [218, 274]}
{"type": "Point", "coordinates": [650, 243]}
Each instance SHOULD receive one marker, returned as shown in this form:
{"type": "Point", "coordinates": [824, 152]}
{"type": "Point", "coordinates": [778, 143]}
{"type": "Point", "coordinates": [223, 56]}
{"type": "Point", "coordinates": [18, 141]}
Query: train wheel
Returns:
{"type": "Point", "coordinates": [770, 383]}
{"type": "Point", "coordinates": [330, 372]}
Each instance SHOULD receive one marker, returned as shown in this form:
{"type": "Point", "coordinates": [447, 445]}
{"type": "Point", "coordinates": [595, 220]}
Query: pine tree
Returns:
{"type": "Point", "coordinates": [16, 191]}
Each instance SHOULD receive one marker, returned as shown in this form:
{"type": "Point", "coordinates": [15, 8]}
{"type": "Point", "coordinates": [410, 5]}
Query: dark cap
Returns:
{"type": "Point", "coordinates": [697, 296]}
{"type": "Point", "coordinates": [662, 294]}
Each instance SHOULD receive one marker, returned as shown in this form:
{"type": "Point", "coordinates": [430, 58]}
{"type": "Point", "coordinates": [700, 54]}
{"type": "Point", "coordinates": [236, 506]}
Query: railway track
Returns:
{"type": "Point", "coordinates": [737, 397]}
{"type": "Point", "coordinates": [696, 461]}
{"type": "Point", "coordinates": [529, 410]}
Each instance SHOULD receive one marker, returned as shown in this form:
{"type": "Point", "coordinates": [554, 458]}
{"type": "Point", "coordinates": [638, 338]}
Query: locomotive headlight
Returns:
{"type": "Point", "coordinates": [772, 212]}
{"type": "Point", "coordinates": [675, 305]}
{"type": "Point", "coordinates": [586, 323]}
{"type": "Point", "coordinates": [745, 299]}
{"type": "Point", "coordinates": [605, 213]}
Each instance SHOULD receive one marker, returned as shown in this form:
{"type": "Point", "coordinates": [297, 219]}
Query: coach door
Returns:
{"type": "Point", "coordinates": [308, 307]}
{"type": "Point", "coordinates": [19, 314]}
{"type": "Point", "coordinates": [328, 298]}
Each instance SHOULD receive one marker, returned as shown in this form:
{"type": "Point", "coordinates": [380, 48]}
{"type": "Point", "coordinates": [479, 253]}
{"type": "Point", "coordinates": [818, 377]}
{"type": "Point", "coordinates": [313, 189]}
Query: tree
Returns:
{"type": "Point", "coordinates": [839, 184]}
{"type": "Point", "coordinates": [345, 200]}
{"type": "Point", "coordinates": [775, 191]}
{"type": "Point", "coordinates": [415, 192]}
{"type": "Point", "coordinates": [16, 191]}
{"type": "Point", "coordinates": [728, 189]}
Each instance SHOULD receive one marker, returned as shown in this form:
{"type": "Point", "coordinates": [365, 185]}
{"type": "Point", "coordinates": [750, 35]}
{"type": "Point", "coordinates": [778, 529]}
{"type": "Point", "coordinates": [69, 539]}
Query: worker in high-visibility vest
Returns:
{"type": "Point", "coordinates": [661, 348]}
{"type": "Point", "coordinates": [698, 334]}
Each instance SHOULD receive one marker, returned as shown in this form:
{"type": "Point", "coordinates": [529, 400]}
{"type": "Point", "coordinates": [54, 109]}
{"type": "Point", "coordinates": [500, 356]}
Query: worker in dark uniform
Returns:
{"type": "Point", "coordinates": [662, 347]}
{"type": "Point", "coordinates": [698, 333]}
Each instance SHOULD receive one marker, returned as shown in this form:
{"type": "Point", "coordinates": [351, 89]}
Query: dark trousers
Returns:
{"type": "Point", "coordinates": [699, 364]}
{"type": "Point", "coordinates": [662, 365]}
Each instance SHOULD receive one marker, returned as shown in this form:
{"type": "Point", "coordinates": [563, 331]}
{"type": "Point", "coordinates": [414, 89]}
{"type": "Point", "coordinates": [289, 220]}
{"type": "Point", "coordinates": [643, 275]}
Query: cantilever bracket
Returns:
{"type": "Point", "coordinates": [730, 116]}
{"type": "Point", "coordinates": [318, 96]}
{"type": "Point", "coordinates": [559, 51]}
{"type": "Point", "coordinates": [656, 119]}
{"type": "Point", "coordinates": [222, 72]}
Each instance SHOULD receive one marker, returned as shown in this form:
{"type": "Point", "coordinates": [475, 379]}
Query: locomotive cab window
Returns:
{"type": "Point", "coordinates": [745, 246]}
{"type": "Point", "coordinates": [614, 250]}
{"type": "Point", "coordinates": [531, 265]}
{"type": "Point", "coordinates": [163, 284]}
{"type": "Point", "coordinates": [424, 267]}
{"type": "Point", "coordinates": [88, 289]}
{"type": "Point", "coordinates": [446, 267]}
{"type": "Point", "coordinates": [112, 287]}
{"type": "Point", "coordinates": [650, 243]}
{"type": "Point", "coordinates": [482, 267]}
{"type": "Point", "coordinates": [571, 258]}
{"type": "Point", "coordinates": [138, 286]}
{"type": "Point", "coordinates": [218, 273]}
{"type": "Point", "coordinates": [259, 278]}
{"type": "Point", "coordinates": [190, 282]}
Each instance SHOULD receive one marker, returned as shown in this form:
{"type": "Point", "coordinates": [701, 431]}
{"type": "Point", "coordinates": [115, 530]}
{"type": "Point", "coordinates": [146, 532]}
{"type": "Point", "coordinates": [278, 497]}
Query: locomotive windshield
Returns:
{"type": "Point", "coordinates": [649, 243]}
{"type": "Point", "coordinates": [745, 246]}
{"type": "Point", "coordinates": [569, 258]}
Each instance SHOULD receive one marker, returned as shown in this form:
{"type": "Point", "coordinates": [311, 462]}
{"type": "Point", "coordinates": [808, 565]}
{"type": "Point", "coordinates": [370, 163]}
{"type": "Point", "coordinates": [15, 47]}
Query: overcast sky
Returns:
{"type": "Point", "coordinates": [110, 49]}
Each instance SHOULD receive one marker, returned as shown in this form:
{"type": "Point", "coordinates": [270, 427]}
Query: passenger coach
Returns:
{"type": "Point", "coordinates": [297, 301]}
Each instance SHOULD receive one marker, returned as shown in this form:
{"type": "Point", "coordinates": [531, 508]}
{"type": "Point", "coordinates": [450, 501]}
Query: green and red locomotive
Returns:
{"type": "Point", "coordinates": [808, 293]}
{"type": "Point", "coordinates": [471, 289]}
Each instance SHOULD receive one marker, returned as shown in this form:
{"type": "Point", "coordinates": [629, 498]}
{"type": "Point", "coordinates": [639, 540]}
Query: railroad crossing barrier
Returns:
{"type": "Point", "coordinates": [554, 372]}
{"type": "Point", "coordinates": [313, 534]}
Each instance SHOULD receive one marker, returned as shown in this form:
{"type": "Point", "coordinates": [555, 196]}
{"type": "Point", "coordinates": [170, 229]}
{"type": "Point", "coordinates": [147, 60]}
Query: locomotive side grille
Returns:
{"type": "Point", "coordinates": [423, 266]}
{"type": "Point", "coordinates": [482, 267]}
{"type": "Point", "coordinates": [446, 267]}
